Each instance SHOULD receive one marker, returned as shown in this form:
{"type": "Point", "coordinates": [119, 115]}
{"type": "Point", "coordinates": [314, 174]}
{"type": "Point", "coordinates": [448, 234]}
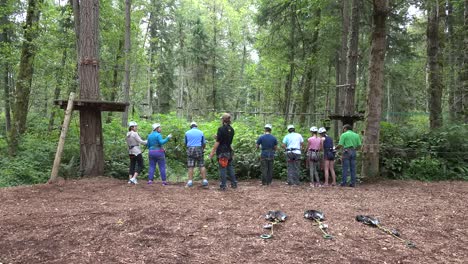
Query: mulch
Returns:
{"type": "Point", "coordinates": [104, 220]}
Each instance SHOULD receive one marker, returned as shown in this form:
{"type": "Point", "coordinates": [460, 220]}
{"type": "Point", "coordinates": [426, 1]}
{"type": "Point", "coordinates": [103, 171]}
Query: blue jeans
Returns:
{"type": "Point", "coordinates": [159, 157]}
{"type": "Point", "coordinates": [349, 162]}
{"type": "Point", "coordinates": [230, 171]}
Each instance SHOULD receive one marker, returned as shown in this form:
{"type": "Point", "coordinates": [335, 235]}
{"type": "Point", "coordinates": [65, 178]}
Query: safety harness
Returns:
{"type": "Point", "coordinates": [318, 217]}
{"type": "Point", "coordinates": [273, 217]}
{"type": "Point", "coordinates": [374, 222]}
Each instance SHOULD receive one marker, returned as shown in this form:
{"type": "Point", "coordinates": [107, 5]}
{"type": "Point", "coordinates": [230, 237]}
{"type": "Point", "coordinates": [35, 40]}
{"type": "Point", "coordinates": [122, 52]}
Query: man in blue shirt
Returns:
{"type": "Point", "coordinates": [195, 142]}
{"type": "Point", "coordinates": [269, 145]}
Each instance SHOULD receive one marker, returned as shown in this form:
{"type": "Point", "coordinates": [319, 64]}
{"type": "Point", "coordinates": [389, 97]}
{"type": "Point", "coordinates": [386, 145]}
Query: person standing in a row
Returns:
{"type": "Point", "coordinates": [224, 152]}
{"type": "Point", "coordinates": [134, 152]}
{"type": "Point", "coordinates": [328, 156]}
{"type": "Point", "coordinates": [157, 153]}
{"type": "Point", "coordinates": [269, 145]}
{"type": "Point", "coordinates": [350, 142]}
{"type": "Point", "coordinates": [293, 143]}
{"type": "Point", "coordinates": [314, 145]}
{"type": "Point", "coordinates": [195, 142]}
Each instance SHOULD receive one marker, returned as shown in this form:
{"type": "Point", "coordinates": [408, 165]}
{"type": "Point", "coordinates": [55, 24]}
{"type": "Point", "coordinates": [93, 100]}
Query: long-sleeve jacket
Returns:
{"type": "Point", "coordinates": [133, 141]}
{"type": "Point", "coordinates": [156, 141]}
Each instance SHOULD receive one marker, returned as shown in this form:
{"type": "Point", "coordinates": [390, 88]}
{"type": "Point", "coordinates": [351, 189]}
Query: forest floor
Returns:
{"type": "Point", "coordinates": [108, 221]}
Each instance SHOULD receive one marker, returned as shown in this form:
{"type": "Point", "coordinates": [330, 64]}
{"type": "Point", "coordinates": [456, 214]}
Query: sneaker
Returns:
{"type": "Point", "coordinates": [222, 189]}
{"type": "Point", "coordinates": [150, 182]}
{"type": "Point", "coordinates": [164, 183]}
{"type": "Point", "coordinates": [134, 180]}
{"type": "Point", "coordinates": [130, 182]}
{"type": "Point", "coordinates": [352, 185]}
{"type": "Point", "coordinates": [205, 183]}
{"type": "Point", "coordinates": [234, 186]}
{"type": "Point", "coordinates": [189, 184]}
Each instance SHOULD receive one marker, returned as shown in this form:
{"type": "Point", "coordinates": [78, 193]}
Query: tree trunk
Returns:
{"type": "Point", "coordinates": [311, 67]}
{"type": "Point", "coordinates": [342, 66]}
{"type": "Point", "coordinates": [58, 88]}
{"type": "Point", "coordinates": [115, 86]}
{"type": "Point", "coordinates": [76, 18]}
{"type": "Point", "coordinates": [351, 72]}
{"type": "Point", "coordinates": [5, 41]}
{"type": "Point", "coordinates": [452, 86]}
{"type": "Point", "coordinates": [464, 71]}
{"type": "Point", "coordinates": [292, 53]}
{"type": "Point", "coordinates": [434, 65]}
{"type": "Point", "coordinates": [213, 66]}
{"type": "Point", "coordinates": [25, 74]}
{"type": "Point", "coordinates": [91, 149]}
{"type": "Point", "coordinates": [370, 151]}
{"type": "Point", "coordinates": [127, 50]}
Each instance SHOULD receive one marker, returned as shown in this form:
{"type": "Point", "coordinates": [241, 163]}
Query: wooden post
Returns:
{"type": "Point", "coordinates": [63, 135]}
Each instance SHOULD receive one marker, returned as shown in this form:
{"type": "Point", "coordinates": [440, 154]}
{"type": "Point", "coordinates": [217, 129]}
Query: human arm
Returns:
{"type": "Point", "coordinates": [213, 151]}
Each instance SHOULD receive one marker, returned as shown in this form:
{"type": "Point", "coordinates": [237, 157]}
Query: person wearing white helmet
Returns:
{"type": "Point", "coordinates": [157, 153]}
{"type": "Point", "coordinates": [195, 143]}
{"type": "Point", "coordinates": [293, 143]}
{"type": "Point", "coordinates": [328, 156]}
{"type": "Point", "coordinates": [269, 145]}
{"type": "Point", "coordinates": [136, 159]}
{"type": "Point", "coordinates": [313, 149]}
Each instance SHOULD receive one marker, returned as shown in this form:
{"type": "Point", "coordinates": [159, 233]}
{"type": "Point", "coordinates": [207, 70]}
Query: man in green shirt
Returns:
{"type": "Point", "coordinates": [350, 142]}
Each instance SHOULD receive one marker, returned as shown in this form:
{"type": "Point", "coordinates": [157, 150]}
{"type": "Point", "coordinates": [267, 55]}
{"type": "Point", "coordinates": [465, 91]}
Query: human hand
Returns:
{"type": "Point", "coordinates": [169, 136]}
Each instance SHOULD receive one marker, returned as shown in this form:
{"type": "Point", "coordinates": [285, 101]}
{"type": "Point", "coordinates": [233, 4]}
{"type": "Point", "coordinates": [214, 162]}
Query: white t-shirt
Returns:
{"type": "Point", "coordinates": [293, 141]}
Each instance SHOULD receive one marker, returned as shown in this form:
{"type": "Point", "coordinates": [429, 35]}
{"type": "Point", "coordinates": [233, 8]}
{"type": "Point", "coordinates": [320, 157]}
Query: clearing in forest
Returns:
{"type": "Point", "coordinates": [106, 220]}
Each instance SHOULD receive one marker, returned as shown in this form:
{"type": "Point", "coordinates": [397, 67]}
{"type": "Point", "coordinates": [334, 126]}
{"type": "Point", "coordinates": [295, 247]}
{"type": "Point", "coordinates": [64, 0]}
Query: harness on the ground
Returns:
{"type": "Point", "coordinates": [274, 217]}
{"type": "Point", "coordinates": [318, 217]}
{"type": "Point", "coordinates": [374, 222]}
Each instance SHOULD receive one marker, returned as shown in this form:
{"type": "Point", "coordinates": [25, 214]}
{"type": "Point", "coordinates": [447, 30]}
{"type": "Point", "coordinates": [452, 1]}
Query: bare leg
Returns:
{"type": "Point", "coordinates": [190, 173]}
{"type": "Point", "coordinates": [332, 169]}
{"type": "Point", "coordinates": [202, 172]}
{"type": "Point", "coordinates": [326, 165]}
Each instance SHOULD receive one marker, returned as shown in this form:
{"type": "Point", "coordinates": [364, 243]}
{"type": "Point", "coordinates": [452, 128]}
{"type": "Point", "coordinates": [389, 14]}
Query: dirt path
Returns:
{"type": "Point", "coordinates": [107, 221]}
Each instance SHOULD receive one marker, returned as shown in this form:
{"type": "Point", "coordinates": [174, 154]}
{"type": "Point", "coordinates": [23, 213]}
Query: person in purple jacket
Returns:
{"type": "Point", "coordinates": [157, 153]}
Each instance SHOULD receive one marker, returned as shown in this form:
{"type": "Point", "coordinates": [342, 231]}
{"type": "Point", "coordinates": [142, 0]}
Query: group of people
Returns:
{"type": "Point", "coordinates": [320, 151]}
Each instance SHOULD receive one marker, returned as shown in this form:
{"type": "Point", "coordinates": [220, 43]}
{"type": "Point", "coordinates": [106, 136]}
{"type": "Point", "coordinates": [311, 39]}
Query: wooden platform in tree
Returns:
{"type": "Point", "coordinates": [93, 104]}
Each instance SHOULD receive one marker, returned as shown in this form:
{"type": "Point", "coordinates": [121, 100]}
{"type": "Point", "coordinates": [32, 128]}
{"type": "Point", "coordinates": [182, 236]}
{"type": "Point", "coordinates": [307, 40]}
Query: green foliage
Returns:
{"type": "Point", "coordinates": [431, 155]}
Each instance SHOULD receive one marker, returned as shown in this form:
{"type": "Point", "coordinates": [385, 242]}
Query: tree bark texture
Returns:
{"type": "Point", "coordinates": [370, 151]}
{"type": "Point", "coordinates": [91, 149]}
{"type": "Point", "coordinates": [464, 73]}
{"type": "Point", "coordinates": [5, 67]}
{"type": "Point", "coordinates": [291, 58]}
{"type": "Point", "coordinates": [434, 66]}
{"type": "Point", "coordinates": [452, 86]}
{"type": "Point", "coordinates": [311, 67]}
{"type": "Point", "coordinates": [127, 50]}
{"type": "Point", "coordinates": [351, 71]}
{"type": "Point", "coordinates": [25, 74]}
{"type": "Point", "coordinates": [342, 65]}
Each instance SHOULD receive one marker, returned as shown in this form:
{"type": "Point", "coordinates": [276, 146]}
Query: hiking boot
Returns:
{"type": "Point", "coordinates": [234, 186]}
{"type": "Point", "coordinates": [205, 183]}
{"type": "Point", "coordinates": [222, 189]}
{"type": "Point", "coordinates": [150, 182]}
{"type": "Point", "coordinates": [189, 184]}
{"type": "Point", "coordinates": [352, 185]}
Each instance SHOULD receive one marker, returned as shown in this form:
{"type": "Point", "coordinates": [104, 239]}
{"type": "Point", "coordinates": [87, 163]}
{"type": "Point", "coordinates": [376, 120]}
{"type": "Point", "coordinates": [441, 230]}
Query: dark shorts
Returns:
{"type": "Point", "coordinates": [329, 155]}
{"type": "Point", "coordinates": [195, 156]}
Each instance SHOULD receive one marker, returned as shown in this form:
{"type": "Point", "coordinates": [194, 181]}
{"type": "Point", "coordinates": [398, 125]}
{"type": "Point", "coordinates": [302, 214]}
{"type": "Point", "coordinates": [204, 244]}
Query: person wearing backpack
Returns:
{"type": "Point", "coordinates": [313, 149]}
{"type": "Point", "coordinates": [328, 156]}
{"type": "Point", "coordinates": [293, 144]}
